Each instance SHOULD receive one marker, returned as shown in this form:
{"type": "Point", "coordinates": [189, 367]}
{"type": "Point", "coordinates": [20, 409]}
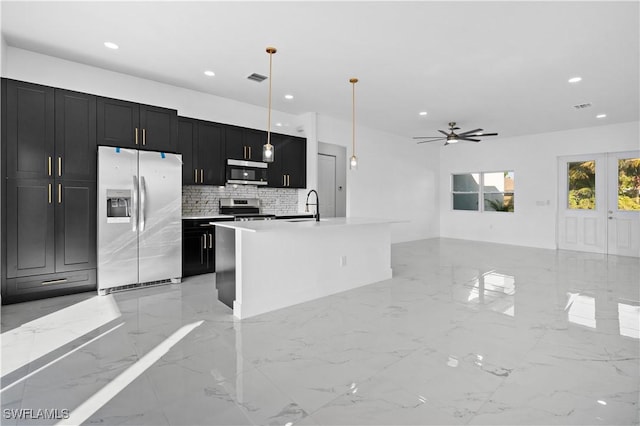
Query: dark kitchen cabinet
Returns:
{"type": "Point", "coordinates": [28, 128]}
{"type": "Point", "coordinates": [75, 135]}
{"type": "Point", "coordinates": [198, 247]}
{"type": "Point", "coordinates": [49, 202]}
{"type": "Point", "coordinates": [75, 225]}
{"type": "Point", "coordinates": [245, 144]}
{"type": "Point", "coordinates": [131, 125]}
{"type": "Point", "coordinates": [30, 227]}
{"type": "Point", "coordinates": [202, 145]}
{"type": "Point", "coordinates": [289, 169]}
{"type": "Point", "coordinates": [52, 226]}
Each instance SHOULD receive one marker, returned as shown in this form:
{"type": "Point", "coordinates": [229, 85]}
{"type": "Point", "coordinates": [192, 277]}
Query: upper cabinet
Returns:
{"type": "Point", "coordinates": [75, 135]}
{"type": "Point", "coordinates": [29, 129]}
{"type": "Point", "coordinates": [50, 133]}
{"type": "Point", "coordinates": [244, 144]}
{"type": "Point", "coordinates": [202, 145]}
{"type": "Point", "coordinates": [131, 125]}
{"type": "Point", "coordinates": [289, 168]}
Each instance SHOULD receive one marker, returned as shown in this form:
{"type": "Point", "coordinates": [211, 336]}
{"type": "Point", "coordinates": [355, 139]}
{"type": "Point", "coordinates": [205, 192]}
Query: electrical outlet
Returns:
{"type": "Point", "coordinates": [343, 260]}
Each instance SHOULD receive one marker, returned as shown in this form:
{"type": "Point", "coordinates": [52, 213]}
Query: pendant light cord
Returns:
{"type": "Point", "coordinates": [353, 82]}
{"type": "Point", "coordinates": [271, 51]}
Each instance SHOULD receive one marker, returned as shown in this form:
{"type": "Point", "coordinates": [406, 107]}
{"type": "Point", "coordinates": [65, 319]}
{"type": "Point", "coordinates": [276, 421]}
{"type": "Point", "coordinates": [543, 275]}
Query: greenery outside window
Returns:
{"type": "Point", "coordinates": [496, 189]}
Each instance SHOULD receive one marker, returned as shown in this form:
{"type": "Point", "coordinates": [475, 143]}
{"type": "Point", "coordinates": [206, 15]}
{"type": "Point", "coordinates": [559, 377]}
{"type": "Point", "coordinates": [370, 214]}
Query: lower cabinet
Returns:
{"type": "Point", "coordinates": [198, 247]}
{"type": "Point", "coordinates": [50, 238]}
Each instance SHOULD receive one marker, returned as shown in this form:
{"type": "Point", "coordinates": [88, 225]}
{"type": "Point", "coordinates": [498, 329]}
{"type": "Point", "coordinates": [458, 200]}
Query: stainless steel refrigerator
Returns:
{"type": "Point", "coordinates": [139, 218]}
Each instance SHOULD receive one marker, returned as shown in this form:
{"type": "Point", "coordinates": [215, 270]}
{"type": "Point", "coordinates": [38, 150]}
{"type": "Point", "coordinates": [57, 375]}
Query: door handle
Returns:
{"type": "Point", "coordinates": [49, 187]}
{"type": "Point", "coordinates": [143, 202]}
{"type": "Point", "coordinates": [288, 180]}
{"type": "Point", "coordinates": [249, 153]}
{"type": "Point", "coordinates": [144, 137]}
{"type": "Point", "coordinates": [134, 204]}
{"type": "Point", "coordinates": [195, 175]}
{"type": "Point", "coordinates": [210, 240]}
{"type": "Point", "coordinates": [244, 152]}
{"type": "Point", "coordinates": [201, 175]}
{"type": "Point", "coordinates": [59, 193]}
{"type": "Point", "coordinates": [59, 166]}
{"type": "Point", "coordinates": [284, 180]}
{"type": "Point", "coordinates": [136, 136]}
{"type": "Point", "coordinates": [49, 170]}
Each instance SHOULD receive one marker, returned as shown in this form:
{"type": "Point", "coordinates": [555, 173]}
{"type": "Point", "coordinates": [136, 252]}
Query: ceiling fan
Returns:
{"type": "Point", "coordinates": [453, 137]}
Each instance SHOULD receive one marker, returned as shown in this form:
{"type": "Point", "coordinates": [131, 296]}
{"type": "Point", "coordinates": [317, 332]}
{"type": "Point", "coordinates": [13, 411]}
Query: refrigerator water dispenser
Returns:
{"type": "Point", "coordinates": [118, 205]}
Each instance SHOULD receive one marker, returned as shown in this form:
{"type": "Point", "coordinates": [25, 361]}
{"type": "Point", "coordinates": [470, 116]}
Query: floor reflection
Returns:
{"type": "Point", "coordinates": [448, 340]}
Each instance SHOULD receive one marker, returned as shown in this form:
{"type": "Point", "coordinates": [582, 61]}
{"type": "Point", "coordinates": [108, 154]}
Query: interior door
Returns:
{"type": "Point", "coordinates": [327, 184]}
{"type": "Point", "coordinates": [623, 213]}
{"type": "Point", "coordinates": [582, 203]}
{"type": "Point", "coordinates": [160, 216]}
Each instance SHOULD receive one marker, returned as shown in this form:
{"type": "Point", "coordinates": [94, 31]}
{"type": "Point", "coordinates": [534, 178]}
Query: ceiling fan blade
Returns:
{"type": "Point", "coordinates": [469, 132]}
{"type": "Point", "coordinates": [433, 140]}
{"type": "Point", "coordinates": [443, 132]}
{"type": "Point", "coordinates": [428, 137]}
{"type": "Point", "coordinates": [468, 139]}
{"type": "Point", "coordinates": [484, 134]}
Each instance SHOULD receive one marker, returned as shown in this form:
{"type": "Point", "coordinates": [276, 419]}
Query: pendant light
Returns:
{"type": "Point", "coordinates": [353, 162]}
{"type": "Point", "coordinates": [268, 151]}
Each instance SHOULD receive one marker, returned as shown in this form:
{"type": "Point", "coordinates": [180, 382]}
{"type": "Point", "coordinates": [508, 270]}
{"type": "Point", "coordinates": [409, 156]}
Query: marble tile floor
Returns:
{"type": "Point", "coordinates": [464, 333]}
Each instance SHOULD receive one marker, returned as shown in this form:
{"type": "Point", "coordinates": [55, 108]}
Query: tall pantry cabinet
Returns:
{"type": "Point", "coordinates": [49, 191]}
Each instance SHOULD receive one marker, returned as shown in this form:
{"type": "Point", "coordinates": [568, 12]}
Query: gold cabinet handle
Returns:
{"type": "Point", "coordinates": [59, 166]}
{"type": "Point", "coordinates": [49, 166]}
{"type": "Point", "coordinates": [249, 152]}
{"type": "Point", "coordinates": [201, 175]}
{"type": "Point", "coordinates": [210, 240]}
{"type": "Point", "coordinates": [136, 136]}
{"type": "Point", "coordinates": [284, 180]}
{"type": "Point", "coordinates": [50, 194]}
{"type": "Point", "coordinates": [288, 180]}
{"type": "Point", "coordinates": [64, 280]}
{"type": "Point", "coordinates": [144, 136]}
{"type": "Point", "coordinates": [59, 193]}
{"type": "Point", "coordinates": [195, 175]}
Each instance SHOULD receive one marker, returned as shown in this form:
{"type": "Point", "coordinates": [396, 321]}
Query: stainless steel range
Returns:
{"type": "Point", "coordinates": [243, 209]}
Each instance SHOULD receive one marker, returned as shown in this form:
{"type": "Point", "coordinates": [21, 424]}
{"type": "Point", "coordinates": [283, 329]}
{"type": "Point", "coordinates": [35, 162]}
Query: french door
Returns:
{"type": "Point", "coordinates": [599, 203]}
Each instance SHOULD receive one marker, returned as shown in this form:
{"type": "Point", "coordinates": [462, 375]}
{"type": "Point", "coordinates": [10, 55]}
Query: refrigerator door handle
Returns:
{"type": "Point", "coordinates": [134, 205]}
{"type": "Point", "coordinates": [143, 200]}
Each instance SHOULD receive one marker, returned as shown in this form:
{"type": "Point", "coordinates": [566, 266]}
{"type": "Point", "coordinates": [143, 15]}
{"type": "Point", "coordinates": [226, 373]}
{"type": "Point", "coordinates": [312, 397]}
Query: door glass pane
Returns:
{"type": "Point", "coordinates": [629, 184]}
{"type": "Point", "coordinates": [581, 178]}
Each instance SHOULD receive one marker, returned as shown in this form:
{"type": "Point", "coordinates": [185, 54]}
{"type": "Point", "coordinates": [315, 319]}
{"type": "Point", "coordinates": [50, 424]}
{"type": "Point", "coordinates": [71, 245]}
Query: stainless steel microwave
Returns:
{"type": "Point", "coordinates": [241, 172]}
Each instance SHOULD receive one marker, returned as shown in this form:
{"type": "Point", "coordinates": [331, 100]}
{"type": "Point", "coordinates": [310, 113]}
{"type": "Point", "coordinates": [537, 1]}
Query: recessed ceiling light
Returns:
{"type": "Point", "coordinates": [111, 45]}
{"type": "Point", "coordinates": [575, 79]}
{"type": "Point", "coordinates": [209, 73]}
{"type": "Point", "coordinates": [423, 112]}
{"type": "Point", "coordinates": [601, 115]}
{"type": "Point", "coordinates": [288, 97]}
{"type": "Point", "coordinates": [279, 124]}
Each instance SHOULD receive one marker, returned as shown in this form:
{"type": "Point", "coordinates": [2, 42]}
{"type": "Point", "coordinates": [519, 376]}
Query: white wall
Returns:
{"type": "Point", "coordinates": [396, 178]}
{"type": "Point", "coordinates": [534, 160]}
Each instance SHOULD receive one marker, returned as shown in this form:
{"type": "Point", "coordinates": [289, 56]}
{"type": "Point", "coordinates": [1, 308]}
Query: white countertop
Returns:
{"type": "Point", "coordinates": [296, 224]}
{"type": "Point", "coordinates": [216, 216]}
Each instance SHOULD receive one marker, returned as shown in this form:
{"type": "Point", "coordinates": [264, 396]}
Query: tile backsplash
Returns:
{"type": "Point", "coordinates": [203, 200]}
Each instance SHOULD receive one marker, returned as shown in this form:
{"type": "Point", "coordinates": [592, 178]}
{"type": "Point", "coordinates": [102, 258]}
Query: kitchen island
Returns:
{"type": "Point", "coordinates": [262, 266]}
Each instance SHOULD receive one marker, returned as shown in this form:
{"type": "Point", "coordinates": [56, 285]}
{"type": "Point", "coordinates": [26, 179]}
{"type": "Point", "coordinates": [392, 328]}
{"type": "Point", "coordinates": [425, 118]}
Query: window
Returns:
{"type": "Point", "coordinates": [495, 189]}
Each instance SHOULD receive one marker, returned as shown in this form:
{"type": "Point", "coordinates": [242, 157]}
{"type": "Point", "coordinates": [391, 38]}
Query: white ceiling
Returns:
{"type": "Point", "coordinates": [502, 66]}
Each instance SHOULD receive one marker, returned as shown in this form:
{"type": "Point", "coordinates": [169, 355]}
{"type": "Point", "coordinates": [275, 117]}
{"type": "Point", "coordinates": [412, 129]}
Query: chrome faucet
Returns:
{"type": "Point", "coordinates": [317, 204]}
